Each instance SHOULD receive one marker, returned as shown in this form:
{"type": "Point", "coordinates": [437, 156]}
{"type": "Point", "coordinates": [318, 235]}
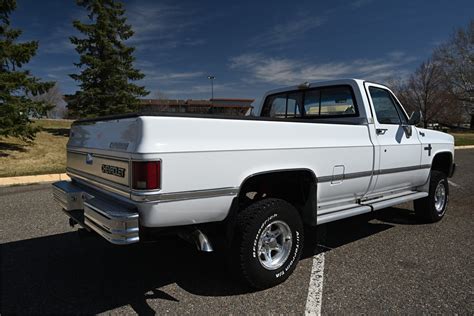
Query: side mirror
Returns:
{"type": "Point", "coordinates": [415, 118]}
{"type": "Point", "coordinates": [408, 130]}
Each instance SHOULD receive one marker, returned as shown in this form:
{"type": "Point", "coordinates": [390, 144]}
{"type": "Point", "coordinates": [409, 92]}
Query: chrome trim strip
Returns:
{"type": "Point", "coordinates": [354, 175]}
{"type": "Point", "coordinates": [324, 179]}
{"type": "Point", "coordinates": [85, 152]}
{"type": "Point", "coordinates": [402, 169]}
{"type": "Point", "coordinates": [362, 174]}
{"type": "Point", "coordinates": [104, 184]}
{"type": "Point", "coordinates": [184, 195]}
{"type": "Point", "coordinates": [383, 196]}
{"type": "Point", "coordinates": [154, 196]}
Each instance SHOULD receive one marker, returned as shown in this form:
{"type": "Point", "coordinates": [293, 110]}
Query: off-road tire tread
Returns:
{"type": "Point", "coordinates": [424, 208]}
{"type": "Point", "coordinates": [244, 222]}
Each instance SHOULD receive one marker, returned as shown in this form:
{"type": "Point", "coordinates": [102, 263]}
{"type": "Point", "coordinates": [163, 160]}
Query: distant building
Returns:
{"type": "Point", "coordinates": [239, 107]}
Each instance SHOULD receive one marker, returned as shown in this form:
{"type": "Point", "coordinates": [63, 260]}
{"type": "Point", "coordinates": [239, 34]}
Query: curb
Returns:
{"type": "Point", "coordinates": [464, 147]}
{"type": "Point", "coordinates": [33, 179]}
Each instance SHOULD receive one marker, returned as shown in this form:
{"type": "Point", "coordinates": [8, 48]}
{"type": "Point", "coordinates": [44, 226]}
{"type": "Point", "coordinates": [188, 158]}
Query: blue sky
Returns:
{"type": "Point", "coordinates": [252, 46]}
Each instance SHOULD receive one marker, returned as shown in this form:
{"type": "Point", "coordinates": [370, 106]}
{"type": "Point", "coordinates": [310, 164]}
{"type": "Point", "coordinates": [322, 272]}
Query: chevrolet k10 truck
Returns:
{"type": "Point", "coordinates": [317, 153]}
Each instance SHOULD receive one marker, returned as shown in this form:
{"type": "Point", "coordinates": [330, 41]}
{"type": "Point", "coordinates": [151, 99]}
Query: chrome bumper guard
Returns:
{"type": "Point", "coordinates": [115, 222]}
{"type": "Point", "coordinates": [68, 195]}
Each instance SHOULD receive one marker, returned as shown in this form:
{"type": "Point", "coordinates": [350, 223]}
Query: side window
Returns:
{"type": "Point", "coordinates": [294, 103]}
{"type": "Point", "coordinates": [277, 106]}
{"type": "Point", "coordinates": [384, 106]}
{"type": "Point", "coordinates": [401, 113]}
{"type": "Point", "coordinates": [337, 101]}
{"type": "Point", "coordinates": [312, 102]}
{"type": "Point", "coordinates": [285, 105]}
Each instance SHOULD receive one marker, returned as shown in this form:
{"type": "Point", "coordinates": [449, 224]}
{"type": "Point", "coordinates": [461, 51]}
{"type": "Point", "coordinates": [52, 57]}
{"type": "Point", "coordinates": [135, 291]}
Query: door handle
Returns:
{"type": "Point", "coordinates": [381, 131]}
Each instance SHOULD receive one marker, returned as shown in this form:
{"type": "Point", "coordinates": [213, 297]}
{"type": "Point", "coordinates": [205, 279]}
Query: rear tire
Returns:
{"type": "Point", "coordinates": [268, 243]}
{"type": "Point", "coordinates": [432, 208]}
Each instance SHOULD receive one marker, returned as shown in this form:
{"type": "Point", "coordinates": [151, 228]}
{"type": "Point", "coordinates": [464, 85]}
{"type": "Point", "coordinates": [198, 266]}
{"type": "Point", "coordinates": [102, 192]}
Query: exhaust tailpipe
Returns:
{"type": "Point", "coordinates": [197, 237]}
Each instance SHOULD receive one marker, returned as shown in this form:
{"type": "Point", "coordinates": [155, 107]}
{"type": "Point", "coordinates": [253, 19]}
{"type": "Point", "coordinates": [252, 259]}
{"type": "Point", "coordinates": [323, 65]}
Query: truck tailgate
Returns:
{"type": "Point", "coordinates": [118, 135]}
{"type": "Point", "coordinates": [101, 150]}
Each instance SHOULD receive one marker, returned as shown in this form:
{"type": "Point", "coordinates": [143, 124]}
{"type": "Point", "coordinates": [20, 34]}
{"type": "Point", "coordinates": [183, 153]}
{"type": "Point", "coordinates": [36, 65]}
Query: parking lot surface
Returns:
{"type": "Point", "coordinates": [384, 262]}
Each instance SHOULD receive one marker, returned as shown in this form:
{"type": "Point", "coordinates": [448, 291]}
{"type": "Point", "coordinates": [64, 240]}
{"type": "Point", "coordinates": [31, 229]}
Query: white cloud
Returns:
{"type": "Point", "coordinates": [57, 41]}
{"type": "Point", "coordinates": [56, 46]}
{"type": "Point", "coordinates": [295, 26]}
{"type": "Point", "coordinates": [150, 21]}
{"type": "Point", "coordinates": [177, 76]}
{"type": "Point", "coordinates": [286, 71]}
{"type": "Point", "coordinates": [159, 22]}
{"type": "Point", "coordinates": [287, 31]}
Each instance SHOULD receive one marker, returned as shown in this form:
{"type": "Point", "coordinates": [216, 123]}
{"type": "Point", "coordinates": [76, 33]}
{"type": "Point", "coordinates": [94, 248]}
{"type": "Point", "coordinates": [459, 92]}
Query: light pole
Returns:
{"type": "Point", "coordinates": [210, 77]}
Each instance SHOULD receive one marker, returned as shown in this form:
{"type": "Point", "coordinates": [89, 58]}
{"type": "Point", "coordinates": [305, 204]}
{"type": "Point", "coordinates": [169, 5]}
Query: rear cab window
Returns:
{"type": "Point", "coordinates": [320, 102]}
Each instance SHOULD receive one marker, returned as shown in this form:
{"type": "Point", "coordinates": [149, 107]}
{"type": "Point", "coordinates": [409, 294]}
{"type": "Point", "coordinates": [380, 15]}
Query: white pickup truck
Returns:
{"type": "Point", "coordinates": [317, 153]}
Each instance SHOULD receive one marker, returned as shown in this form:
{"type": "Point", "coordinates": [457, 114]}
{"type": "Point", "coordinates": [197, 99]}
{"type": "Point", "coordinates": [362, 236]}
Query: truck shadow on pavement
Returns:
{"type": "Point", "coordinates": [63, 273]}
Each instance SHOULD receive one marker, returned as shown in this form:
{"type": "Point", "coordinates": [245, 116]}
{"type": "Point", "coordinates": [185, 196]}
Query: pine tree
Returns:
{"type": "Point", "coordinates": [16, 84]}
{"type": "Point", "coordinates": [106, 63]}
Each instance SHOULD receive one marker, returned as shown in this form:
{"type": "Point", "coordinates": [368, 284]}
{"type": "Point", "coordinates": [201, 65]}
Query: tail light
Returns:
{"type": "Point", "coordinates": [146, 175]}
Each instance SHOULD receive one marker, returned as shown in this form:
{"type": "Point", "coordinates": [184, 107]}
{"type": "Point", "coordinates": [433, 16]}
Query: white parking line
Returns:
{"type": "Point", "coordinates": [453, 184]}
{"type": "Point", "coordinates": [315, 290]}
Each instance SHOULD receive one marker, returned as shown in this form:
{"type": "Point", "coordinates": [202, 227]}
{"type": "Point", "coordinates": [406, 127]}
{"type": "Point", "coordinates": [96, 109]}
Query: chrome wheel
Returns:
{"type": "Point", "coordinates": [440, 197]}
{"type": "Point", "coordinates": [274, 245]}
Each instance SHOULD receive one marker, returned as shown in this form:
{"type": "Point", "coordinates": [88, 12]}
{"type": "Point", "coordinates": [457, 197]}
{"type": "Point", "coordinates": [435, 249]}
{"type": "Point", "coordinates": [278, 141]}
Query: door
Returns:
{"type": "Point", "coordinates": [399, 151]}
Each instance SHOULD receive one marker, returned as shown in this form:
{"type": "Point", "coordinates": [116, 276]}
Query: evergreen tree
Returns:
{"type": "Point", "coordinates": [106, 63]}
{"type": "Point", "coordinates": [17, 85]}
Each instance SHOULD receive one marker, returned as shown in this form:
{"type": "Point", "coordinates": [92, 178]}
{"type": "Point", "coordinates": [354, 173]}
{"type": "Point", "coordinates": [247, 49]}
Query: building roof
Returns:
{"type": "Point", "coordinates": [239, 103]}
{"type": "Point", "coordinates": [230, 99]}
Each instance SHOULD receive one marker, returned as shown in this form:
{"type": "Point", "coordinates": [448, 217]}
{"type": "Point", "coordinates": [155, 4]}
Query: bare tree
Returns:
{"type": "Point", "coordinates": [159, 95]}
{"type": "Point", "coordinates": [426, 91]}
{"type": "Point", "coordinates": [160, 106]}
{"type": "Point", "coordinates": [55, 98]}
{"type": "Point", "coordinates": [456, 59]}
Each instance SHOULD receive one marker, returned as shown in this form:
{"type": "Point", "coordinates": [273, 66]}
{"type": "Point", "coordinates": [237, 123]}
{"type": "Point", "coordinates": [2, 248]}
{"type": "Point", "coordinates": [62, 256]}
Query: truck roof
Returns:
{"type": "Point", "coordinates": [316, 84]}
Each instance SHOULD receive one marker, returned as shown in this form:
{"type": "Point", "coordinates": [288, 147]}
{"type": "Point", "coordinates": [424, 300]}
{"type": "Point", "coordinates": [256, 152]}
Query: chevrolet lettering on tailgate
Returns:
{"type": "Point", "coordinates": [113, 170]}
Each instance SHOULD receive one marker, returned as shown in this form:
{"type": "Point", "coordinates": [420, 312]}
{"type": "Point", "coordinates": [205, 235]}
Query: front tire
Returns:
{"type": "Point", "coordinates": [432, 208]}
{"type": "Point", "coordinates": [269, 242]}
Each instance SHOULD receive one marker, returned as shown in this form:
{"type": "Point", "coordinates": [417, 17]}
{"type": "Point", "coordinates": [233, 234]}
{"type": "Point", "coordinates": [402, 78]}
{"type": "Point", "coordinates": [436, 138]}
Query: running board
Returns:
{"type": "Point", "coordinates": [366, 208]}
{"type": "Point", "coordinates": [337, 215]}
{"type": "Point", "coordinates": [398, 200]}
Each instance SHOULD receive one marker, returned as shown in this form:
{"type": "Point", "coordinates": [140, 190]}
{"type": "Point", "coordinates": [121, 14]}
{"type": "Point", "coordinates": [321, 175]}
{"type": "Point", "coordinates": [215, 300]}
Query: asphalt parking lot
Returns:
{"type": "Point", "coordinates": [378, 263]}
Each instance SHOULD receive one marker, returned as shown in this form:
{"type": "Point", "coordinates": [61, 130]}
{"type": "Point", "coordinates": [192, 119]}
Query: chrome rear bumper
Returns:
{"type": "Point", "coordinates": [115, 222]}
{"type": "Point", "coordinates": [68, 195]}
